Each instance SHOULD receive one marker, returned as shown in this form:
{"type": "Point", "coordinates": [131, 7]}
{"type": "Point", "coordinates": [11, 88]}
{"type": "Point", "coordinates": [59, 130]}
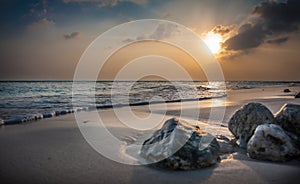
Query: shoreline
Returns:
{"type": "Point", "coordinates": [53, 150]}
{"type": "Point", "coordinates": [37, 115]}
{"type": "Point", "coordinates": [56, 113]}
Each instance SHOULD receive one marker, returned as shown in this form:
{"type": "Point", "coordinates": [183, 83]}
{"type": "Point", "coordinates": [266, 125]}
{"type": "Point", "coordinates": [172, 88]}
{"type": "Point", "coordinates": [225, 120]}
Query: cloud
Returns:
{"type": "Point", "coordinates": [100, 3]}
{"type": "Point", "coordinates": [164, 31]}
{"type": "Point", "coordinates": [278, 40]}
{"type": "Point", "coordinates": [222, 30]}
{"type": "Point", "coordinates": [166, 15]}
{"type": "Point", "coordinates": [267, 20]}
{"type": "Point", "coordinates": [42, 24]}
{"type": "Point", "coordinates": [249, 36]}
{"type": "Point", "coordinates": [128, 40]}
{"type": "Point", "coordinates": [71, 35]}
{"type": "Point", "coordinates": [104, 3]}
{"type": "Point", "coordinates": [279, 17]}
{"type": "Point", "coordinates": [38, 9]}
{"type": "Point", "coordinates": [161, 32]}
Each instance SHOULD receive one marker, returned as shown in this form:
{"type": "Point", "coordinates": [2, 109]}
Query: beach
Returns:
{"type": "Point", "coordinates": [149, 91]}
{"type": "Point", "coordinates": [54, 151]}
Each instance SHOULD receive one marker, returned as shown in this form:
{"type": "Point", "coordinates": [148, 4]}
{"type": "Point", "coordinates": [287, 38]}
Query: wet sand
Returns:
{"type": "Point", "coordinates": [54, 150]}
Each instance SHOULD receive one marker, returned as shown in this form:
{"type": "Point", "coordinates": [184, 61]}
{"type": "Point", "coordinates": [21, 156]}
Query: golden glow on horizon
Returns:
{"type": "Point", "coordinates": [145, 48]}
{"type": "Point", "coordinates": [213, 42]}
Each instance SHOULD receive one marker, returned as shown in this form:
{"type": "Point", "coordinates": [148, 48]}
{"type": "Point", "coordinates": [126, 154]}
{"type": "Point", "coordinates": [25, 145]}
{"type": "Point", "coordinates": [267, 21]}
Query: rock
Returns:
{"type": "Point", "coordinates": [297, 95]}
{"type": "Point", "coordinates": [63, 112]}
{"type": "Point", "coordinates": [288, 117]}
{"type": "Point", "coordinates": [15, 120]}
{"type": "Point", "coordinates": [57, 113]}
{"type": "Point", "coordinates": [243, 123]}
{"type": "Point", "coordinates": [180, 146]}
{"type": "Point", "coordinates": [38, 116]}
{"type": "Point", "coordinates": [226, 145]}
{"type": "Point", "coordinates": [286, 90]}
{"type": "Point", "coordinates": [270, 142]}
{"type": "Point", "coordinates": [49, 114]}
{"type": "Point", "coordinates": [26, 118]}
{"type": "Point", "coordinates": [1, 122]}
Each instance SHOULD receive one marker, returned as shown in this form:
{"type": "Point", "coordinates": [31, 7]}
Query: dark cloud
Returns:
{"type": "Point", "coordinates": [72, 35]}
{"type": "Point", "coordinates": [220, 29]}
{"type": "Point", "coordinates": [278, 40]}
{"type": "Point", "coordinates": [279, 17]}
{"type": "Point", "coordinates": [269, 19]}
{"type": "Point", "coordinates": [249, 36]}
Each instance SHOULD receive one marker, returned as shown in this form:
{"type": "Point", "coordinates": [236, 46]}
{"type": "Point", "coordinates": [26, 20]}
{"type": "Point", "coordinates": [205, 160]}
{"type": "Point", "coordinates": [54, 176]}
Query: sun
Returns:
{"type": "Point", "coordinates": [213, 42]}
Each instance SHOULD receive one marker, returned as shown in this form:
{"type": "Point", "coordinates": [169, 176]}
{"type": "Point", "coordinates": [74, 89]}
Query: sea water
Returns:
{"type": "Point", "coordinates": [29, 100]}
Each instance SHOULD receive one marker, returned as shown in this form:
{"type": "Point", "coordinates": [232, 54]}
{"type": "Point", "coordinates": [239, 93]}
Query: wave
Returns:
{"type": "Point", "coordinates": [55, 113]}
{"type": "Point", "coordinates": [38, 100]}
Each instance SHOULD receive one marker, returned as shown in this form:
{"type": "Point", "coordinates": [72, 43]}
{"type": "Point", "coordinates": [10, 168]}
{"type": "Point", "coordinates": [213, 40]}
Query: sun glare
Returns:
{"type": "Point", "coordinates": [213, 42]}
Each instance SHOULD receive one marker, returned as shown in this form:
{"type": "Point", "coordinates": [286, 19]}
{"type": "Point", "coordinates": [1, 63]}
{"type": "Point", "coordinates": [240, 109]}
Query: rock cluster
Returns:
{"type": "Point", "coordinates": [244, 122]}
{"type": "Point", "coordinates": [181, 146]}
{"type": "Point", "coordinates": [33, 117]}
{"type": "Point", "coordinates": [267, 137]}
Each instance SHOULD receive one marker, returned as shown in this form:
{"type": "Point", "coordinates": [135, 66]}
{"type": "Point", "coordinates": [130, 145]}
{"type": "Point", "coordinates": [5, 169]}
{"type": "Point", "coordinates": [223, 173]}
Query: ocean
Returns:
{"type": "Point", "coordinates": [30, 100]}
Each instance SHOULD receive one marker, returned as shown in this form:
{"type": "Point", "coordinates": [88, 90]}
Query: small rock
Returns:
{"type": "Point", "coordinates": [1, 122]}
{"type": "Point", "coordinates": [26, 118]}
{"type": "Point", "coordinates": [15, 120]}
{"type": "Point", "coordinates": [243, 123]}
{"type": "Point", "coordinates": [226, 145]}
{"type": "Point", "coordinates": [286, 90]}
{"type": "Point", "coordinates": [49, 114]}
{"type": "Point", "coordinates": [57, 113]}
{"type": "Point", "coordinates": [38, 116]}
{"type": "Point", "coordinates": [270, 142]}
{"type": "Point", "coordinates": [63, 112]}
{"type": "Point", "coordinates": [72, 110]}
{"type": "Point", "coordinates": [288, 117]}
{"type": "Point", "coordinates": [181, 146]}
{"type": "Point", "coordinates": [297, 95]}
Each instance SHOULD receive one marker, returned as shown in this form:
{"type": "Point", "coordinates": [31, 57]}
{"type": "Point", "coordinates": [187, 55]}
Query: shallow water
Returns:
{"type": "Point", "coordinates": [24, 98]}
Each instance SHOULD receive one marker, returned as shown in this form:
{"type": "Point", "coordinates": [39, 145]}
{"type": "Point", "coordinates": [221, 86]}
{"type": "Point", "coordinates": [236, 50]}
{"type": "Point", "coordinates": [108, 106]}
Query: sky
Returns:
{"type": "Point", "coordinates": [44, 39]}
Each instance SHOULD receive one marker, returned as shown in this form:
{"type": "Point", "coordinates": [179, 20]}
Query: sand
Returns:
{"type": "Point", "coordinates": [54, 151]}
